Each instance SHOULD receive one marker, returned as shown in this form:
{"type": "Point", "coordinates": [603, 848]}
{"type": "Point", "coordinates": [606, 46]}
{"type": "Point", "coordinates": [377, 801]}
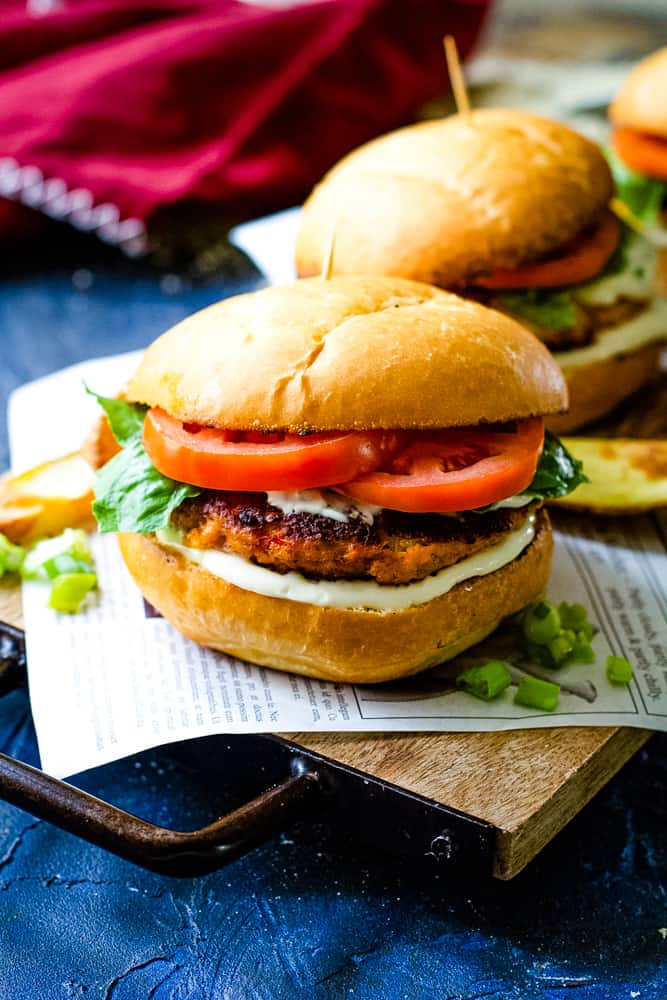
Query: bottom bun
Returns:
{"type": "Point", "coordinates": [596, 389]}
{"type": "Point", "coordinates": [334, 643]}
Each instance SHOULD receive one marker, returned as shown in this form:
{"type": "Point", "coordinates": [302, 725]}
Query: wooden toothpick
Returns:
{"type": "Point", "coordinates": [656, 234]}
{"type": "Point", "coordinates": [456, 75]}
{"type": "Point", "coordinates": [327, 264]}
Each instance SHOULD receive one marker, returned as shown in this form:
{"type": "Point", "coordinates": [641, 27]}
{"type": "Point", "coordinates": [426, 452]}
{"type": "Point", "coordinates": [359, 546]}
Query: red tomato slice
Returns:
{"type": "Point", "coordinates": [582, 259]}
{"type": "Point", "coordinates": [455, 470]}
{"type": "Point", "coordinates": [236, 460]}
{"type": "Point", "coordinates": [641, 151]}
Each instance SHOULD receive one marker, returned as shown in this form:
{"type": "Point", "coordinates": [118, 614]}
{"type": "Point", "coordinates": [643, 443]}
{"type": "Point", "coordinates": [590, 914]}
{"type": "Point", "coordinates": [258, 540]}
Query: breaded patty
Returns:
{"type": "Point", "coordinates": [395, 548]}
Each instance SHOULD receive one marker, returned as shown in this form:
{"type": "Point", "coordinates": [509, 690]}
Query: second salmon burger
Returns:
{"type": "Point", "coordinates": [510, 209]}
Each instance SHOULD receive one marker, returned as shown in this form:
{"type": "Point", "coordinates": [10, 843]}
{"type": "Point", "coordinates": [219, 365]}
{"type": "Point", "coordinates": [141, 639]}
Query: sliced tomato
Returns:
{"type": "Point", "coordinates": [454, 470]}
{"type": "Point", "coordinates": [581, 260]}
{"type": "Point", "coordinates": [642, 151]}
{"type": "Point", "coordinates": [237, 460]}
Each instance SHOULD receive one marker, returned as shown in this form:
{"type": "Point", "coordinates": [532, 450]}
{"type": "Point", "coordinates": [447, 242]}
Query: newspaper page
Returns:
{"type": "Point", "coordinates": [117, 678]}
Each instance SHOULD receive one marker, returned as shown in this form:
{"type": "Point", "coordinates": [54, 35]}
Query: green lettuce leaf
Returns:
{"type": "Point", "coordinates": [126, 420]}
{"type": "Point", "coordinates": [130, 493]}
{"type": "Point", "coordinates": [553, 310]}
{"type": "Point", "coordinates": [557, 473]}
{"type": "Point", "coordinates": [643, 195]}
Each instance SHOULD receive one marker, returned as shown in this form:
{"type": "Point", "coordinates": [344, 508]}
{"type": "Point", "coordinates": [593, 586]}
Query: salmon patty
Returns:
{"type": "Point", "coordinates": [393, 548]}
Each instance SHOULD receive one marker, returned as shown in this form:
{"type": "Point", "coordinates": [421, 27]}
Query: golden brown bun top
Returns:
{"type": "Point", "coordinates": [641, 102]}
{"type": "Point", "coordinates": [351, 352]}
{"type": "Point", "coordinates": [444, 201]}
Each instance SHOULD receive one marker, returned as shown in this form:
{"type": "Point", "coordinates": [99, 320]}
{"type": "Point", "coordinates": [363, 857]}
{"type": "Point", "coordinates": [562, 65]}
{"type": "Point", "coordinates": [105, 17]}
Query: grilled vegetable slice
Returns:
{"type": "Point", "coordinates": [47, 499]}
{"type": "Point", "coordinates": [626, 476]}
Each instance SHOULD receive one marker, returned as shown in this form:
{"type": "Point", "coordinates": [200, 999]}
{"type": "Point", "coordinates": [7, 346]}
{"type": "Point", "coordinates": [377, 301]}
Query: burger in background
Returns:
{"type": "Point", "coordinates": [510, 209]}
{"type": "Point", "coordinates": [638, 155]}
{"type": "Point", "coordinates": [339, 478]}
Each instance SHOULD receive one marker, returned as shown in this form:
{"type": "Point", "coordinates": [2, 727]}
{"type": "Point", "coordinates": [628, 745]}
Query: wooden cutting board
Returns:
{"type": "Point", "coordinates": [526, 783]}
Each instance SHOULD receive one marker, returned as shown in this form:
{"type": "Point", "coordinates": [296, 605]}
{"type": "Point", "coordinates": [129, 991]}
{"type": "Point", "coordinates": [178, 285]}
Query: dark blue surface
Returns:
{"type": "Point", "coordinates": [308, 915]}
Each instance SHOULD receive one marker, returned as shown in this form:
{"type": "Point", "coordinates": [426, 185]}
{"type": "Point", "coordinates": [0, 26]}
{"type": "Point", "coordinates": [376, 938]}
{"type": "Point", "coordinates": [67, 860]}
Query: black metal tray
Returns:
{"type": "Point", "coordinates": [294, 784]}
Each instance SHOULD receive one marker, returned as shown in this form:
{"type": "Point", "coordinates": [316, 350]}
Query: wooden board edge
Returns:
{"type": "Point", "coordinates": [10, 603]}
{"type": "Point", "coordinates": [514, 849]}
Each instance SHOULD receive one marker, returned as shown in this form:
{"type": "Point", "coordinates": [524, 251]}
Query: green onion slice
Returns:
{"type": "Point", "coordinates": [541, 623]}
{"type": "Point", "coordinates": [43, 560]}
{"type": "Point", "coordinates": [533, 692]}
{"type": "Point", "coordinates": [619, 670]}
{"type": "Point", "coordinates": [69, 591]}
{"type": "Point", "coordinates": [487, 681]}
{"type": "Point", "coordinates": [11, 556]}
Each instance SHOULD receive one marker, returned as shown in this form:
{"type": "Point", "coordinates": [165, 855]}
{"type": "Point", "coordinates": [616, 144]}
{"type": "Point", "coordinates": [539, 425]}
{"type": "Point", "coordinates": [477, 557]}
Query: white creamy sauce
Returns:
{"type": "Point", "coordinates": [649, 326]}
{"type": "Point", "coordinates": [512, 502]}
{"type": "Point", "coordinates": [359, 594]}
{"type": "Point", "coordinates": [636, 281]}
{"type": "Point", "coordinates": [324, 503]}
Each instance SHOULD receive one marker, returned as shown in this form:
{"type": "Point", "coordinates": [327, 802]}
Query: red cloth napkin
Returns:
{"type": "Point", "coordinates": [111, 110]}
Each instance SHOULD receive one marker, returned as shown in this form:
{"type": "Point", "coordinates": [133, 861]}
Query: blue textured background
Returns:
{"type": "Point", "coordinates": [310, 915]}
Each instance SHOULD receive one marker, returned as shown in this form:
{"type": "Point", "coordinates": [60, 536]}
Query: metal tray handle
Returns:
{"type": "Point", "coordinates": [169, 852]}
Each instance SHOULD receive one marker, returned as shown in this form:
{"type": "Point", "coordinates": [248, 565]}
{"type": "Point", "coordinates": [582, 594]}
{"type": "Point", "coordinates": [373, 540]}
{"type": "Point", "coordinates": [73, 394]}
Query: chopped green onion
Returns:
{"type": "Point", "coordinates": [572, 616]}
{"type": "Point", "coordinates": [66, 564]}
{"type": "Point", "coordinates": [73, 543]}
{"type": "Point", "coordinates": [587, 631]}
{"type": "Point", "coordinates": [541, 622]}
{"type": "Point", "coordinates": [583, 652]}
{"type": "Point", "coordinates": [69, 591]}
{"type": "Point", "coordinates": [619, 670]}
{"type": "Point", "coordinates": [542, 642]}
{"type": "Point", "coordinates": [11, 556]}
{"type": "Point", "coordinates": [575, 617]}
{"type": "Point", "coordinates": [537, 653]}
{"type": "Point", "coordinates": [562, 646]}
{"type": "Point", "coordinates": [536, 693]}
{"type": "Point", "coordinates": [486, 681]}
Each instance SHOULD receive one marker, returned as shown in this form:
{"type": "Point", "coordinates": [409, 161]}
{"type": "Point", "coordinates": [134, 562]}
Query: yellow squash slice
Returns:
{"type": "Point", "coordinates": [627, 475]}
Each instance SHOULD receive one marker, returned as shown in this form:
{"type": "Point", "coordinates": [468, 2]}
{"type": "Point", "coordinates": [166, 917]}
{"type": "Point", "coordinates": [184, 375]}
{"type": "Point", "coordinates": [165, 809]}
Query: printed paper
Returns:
{"type": "Point", "coordinates": [117, 678]}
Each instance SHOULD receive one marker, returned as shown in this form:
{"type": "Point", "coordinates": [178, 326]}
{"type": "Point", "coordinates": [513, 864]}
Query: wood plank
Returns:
{"type": "Point", "coordinates": [527, 783]}
{"type": "Point", "coordinates": [10, 603]}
